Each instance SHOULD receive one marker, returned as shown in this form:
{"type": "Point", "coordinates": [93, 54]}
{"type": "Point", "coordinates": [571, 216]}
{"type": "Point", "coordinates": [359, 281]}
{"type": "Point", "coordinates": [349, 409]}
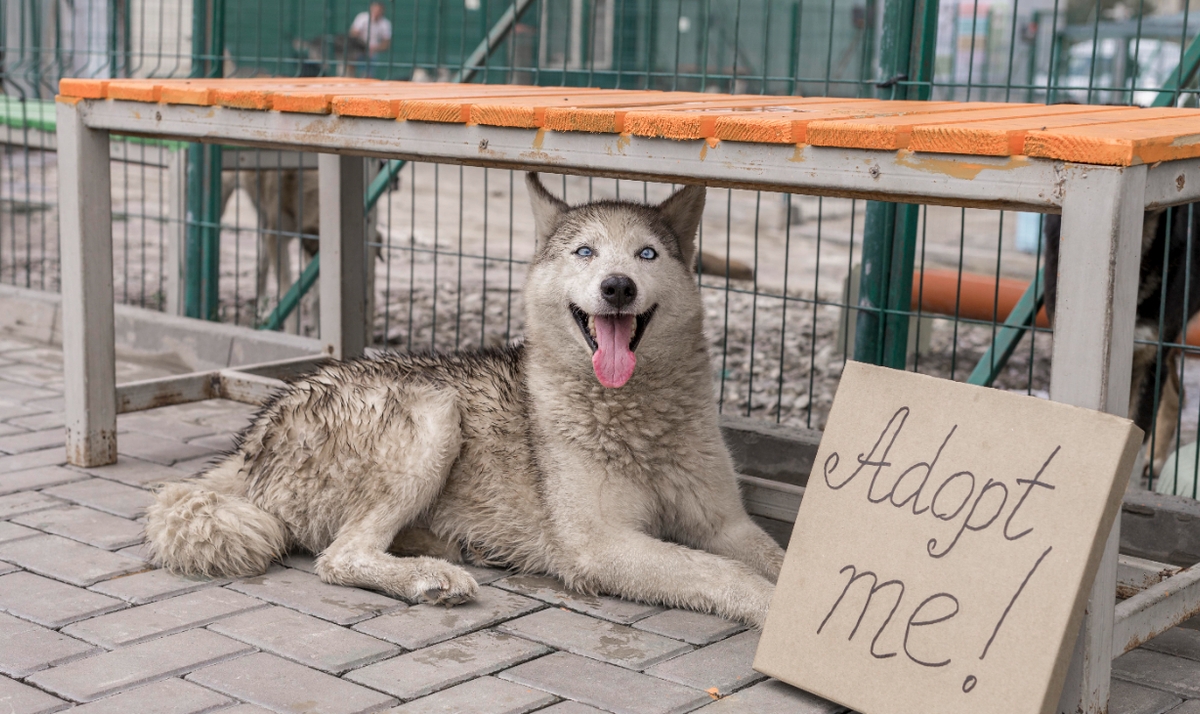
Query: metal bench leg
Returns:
{"type": "Point", "coordinates": [85, 228]}
{"type": "Point", "coordinates": [343, 255]}
{"type": "Point", "coordinates": [1093, 355]}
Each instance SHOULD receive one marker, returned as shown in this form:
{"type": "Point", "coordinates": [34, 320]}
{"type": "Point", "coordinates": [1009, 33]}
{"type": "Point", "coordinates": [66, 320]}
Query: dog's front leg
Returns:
{"type": "Point", "coordinates": [743, 540]}
{"type": "Point", "coordinates": [636, 566]}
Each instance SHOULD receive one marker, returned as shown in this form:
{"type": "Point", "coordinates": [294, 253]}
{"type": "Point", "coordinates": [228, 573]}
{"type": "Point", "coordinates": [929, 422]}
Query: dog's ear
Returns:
{"type": "Point", "coordinates": [547, 208]}
{"type": "Point", "coordinates": [682, 212]}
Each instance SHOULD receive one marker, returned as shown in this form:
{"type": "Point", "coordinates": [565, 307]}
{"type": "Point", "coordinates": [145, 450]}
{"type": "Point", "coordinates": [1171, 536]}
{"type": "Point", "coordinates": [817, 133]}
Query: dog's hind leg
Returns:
{"type": "Point", "coordinates": [409, 479]}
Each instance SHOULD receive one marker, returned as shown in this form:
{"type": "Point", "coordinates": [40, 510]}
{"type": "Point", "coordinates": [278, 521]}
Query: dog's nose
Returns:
{"type": "Point", "coordinates": [618, 290]}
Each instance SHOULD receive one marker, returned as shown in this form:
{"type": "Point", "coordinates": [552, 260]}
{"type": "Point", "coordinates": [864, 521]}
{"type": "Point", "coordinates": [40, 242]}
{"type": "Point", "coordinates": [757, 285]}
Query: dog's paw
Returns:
{"type": "Point", "coordinates": [446, 585]}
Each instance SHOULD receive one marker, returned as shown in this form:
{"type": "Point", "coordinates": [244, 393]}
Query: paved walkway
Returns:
{"type": "Point", "coordinates": [85, 622]}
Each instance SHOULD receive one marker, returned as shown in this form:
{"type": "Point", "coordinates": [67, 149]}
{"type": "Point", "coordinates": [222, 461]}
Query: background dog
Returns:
{"type": "Point", "coordinates": [591, 452]}
{"type": "Point", "coordinates": [1169, 281]}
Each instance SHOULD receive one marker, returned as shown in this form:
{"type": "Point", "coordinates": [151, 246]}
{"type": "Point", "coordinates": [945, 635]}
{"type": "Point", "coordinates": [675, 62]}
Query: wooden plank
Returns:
{"type": "Point", "coordinates": [82, 88]}
{"type": "Point", "coordinates": [343, 255]}
{"type": "Point", "coordinates": [1137, 574]}
{"type": "Point", "coordinates": [530, 113]}
{"type": "Point", "coordinates": [892, 133]}
{"type": "Point", "coordinates": [85, 237]}
{"type": "Point", "coordinates": [1126, 144]}
{"type": "Point", "coordinates": [613, 120]}
{"type": "Point", "coordinates": [680, 124]}
{"type": "Point", "coordinates": [770, 499]}
{"type": "Point", "coordinates": [457, 109]}
{"type": "Point", "coordinates": [1007, 138]}
{"type": "Point", "coordinates": [248, 388]}
{"type": "Point", "coordinates": [165, 391]}
{"type": "Point", "coordinates": [387, 104]}
{"type": "Point", "coordinates": [260, 95]}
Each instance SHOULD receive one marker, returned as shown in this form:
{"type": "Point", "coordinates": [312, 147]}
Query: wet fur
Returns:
{"type": "Point", "coordinates": [515, 457]}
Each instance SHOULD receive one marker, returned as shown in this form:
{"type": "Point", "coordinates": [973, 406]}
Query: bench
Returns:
{"type": "Point", "coordinates": [1100, 167]}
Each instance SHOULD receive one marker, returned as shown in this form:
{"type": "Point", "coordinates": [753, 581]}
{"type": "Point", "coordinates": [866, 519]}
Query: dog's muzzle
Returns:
{"type": "Point", "coordinates": [613, 338]}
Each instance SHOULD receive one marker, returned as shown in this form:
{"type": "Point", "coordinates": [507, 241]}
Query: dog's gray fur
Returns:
{"type": "Point", "coordinates": [516, 456]}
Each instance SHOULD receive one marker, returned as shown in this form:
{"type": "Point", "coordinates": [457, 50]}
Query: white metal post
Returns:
{"type": "Point", "coordinates": [342, 187]}
{"type": "Point", "coordinates": [176, 229]}
{"type": "Point", "coordinates": [1100, 251]}
{"type": "Point", "coordinates": [85, 229]}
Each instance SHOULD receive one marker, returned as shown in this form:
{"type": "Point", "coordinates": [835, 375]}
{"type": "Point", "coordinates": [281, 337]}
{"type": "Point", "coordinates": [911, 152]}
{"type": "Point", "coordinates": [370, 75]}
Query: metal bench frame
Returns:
{"type": "Point", "coordinates": [1102, 209]}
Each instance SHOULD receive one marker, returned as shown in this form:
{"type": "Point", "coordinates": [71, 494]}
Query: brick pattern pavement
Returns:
{"type": "Point", "coordinates": [86, 624]}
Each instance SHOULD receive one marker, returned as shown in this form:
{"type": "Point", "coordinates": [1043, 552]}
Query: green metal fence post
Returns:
{"type": "Point", "coordinates": [890, 230]}
{"type": "Point", "coordinates": [203, 249]}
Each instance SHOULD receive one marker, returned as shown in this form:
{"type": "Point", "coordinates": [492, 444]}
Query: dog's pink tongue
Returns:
{"type": "Point", "coordinates": [613, 360]}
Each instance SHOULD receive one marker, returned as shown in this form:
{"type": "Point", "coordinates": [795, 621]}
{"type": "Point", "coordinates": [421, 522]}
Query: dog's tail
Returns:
{"type": "Point", "coordinates": [203, 527]}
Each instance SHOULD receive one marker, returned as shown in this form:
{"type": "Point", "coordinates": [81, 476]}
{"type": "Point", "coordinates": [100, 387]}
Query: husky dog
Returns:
{"type": "Point", "coordinates": [1168, 268]}
{"type": "Point", "coordinates": [590, 452]}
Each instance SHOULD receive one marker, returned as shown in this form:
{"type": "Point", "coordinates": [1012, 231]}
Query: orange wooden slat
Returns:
{"type": "Point", "coordinates": [892, 133]}
{"type": "Point", "coordinates": [387, 104]}
{"type": "Point", "coordinates": [259, 95]}
{"type": "Point", "coordinates": [82, 88]}
{"type": "Point", "coordinates": [1123, 144]}
{"type": "Point", "coordinates": [457, 109]}
{"type": "Point", "coordinates": [530, 113]}
{"type": "Point", "coordinates": [1007, 137]}
{"type": "Point", "coordinates": [612, 120]}
{"type": "Point", "coordinates": [791, 127]}
{"type": "Point", "coordinates": [666, 124]}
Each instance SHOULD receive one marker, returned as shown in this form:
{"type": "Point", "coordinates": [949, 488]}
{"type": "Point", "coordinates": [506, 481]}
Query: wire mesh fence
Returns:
{"type": "Point", "coordinates": [780, 274]}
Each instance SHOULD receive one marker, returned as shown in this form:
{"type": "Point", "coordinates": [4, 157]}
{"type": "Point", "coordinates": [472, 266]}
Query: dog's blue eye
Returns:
{"type": "Point", "coordinates": [583, 251]}
{"type": "Point", "coordinates": [648, 254]}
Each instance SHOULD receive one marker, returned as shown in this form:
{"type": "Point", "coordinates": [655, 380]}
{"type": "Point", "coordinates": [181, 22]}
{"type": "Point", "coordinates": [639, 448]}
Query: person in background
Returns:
{"type": "Point", "coordinates": [370, 34]}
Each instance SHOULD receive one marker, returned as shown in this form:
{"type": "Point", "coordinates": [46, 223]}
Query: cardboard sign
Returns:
{"type": "Point", "coordinates": [945, 547]}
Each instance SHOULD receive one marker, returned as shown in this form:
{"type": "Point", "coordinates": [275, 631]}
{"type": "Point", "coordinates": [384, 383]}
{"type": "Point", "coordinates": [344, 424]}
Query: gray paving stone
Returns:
{"type": "Point", "coordinates": [443, 665]}
{"type": "Point", "coordinates": [151, 585]}
{"type": "Point", "coordinates": [198, 465]}
{"type": "Point", "coordinates": [168, 696]}
{"type": "Point", "coordinates": [694, 628]}
{"type": "Point", "coordinates": [283, 686]}
{"type": "Point", "coordinates": [486, 695]}
{"type": "Point", "coordinates": [246, 709]}
{"type": "Point", "coordinates": [217, 443]}
{"type": "Point", "coordinates": [41, 477]}
{"type": "Point", "coordinates": [484, 576]}
{"type": "Point", "coordinates": [1126, 698]}
{"type": "Point", "coordinates": [15, 410]}
{"type": "Point", "coordinates": [49, 602]}
{"type": "Point", "coordinates": [11, 531]}
{"type": "Point", "coordinates": [1177, 641]}
{"type": "Point", "coordinates": [598, 639]}
{"type": "Point", "coordinates": [85, 525]}
{"type": "Point", "coordinates": [569, 707]}
{"type": "Point", "coordinates": [551, 590]}
{"type": "Point", "coordinates": [302, 561]}
{"type": "Point", "coordinates": [33, 459]}
{"type": "Point", "coordinates": [306, 593]}
{"type": "Point", "coordinates": [423, 625]}
{"type": "Point", "coordinates": [26, 393]}
{"type": "Point", "coordinates": [29, 647]}
{"type": "Point", "coordinates": [39, 422]}
{"type": "Point", "coordinates": [164, 426]}
{"type": "Point", "coordinates": [305, 639]}
{"type": "Point", "coordinates": [141, 552]}
{"type": "Point", "coordinates": [6, 568]}
{"type": "Point", "coordinates": [104, 495]}
{"type": "Point", "coordinates": [136, 472]}
{"type": "Point", "coordinates": [165, 617]}
{"type": "Point", "coordinates": [32, 441]}
{"type": "Point", "coordinates": [606, 686]}
{"type": "Point", "coordinates": [149, 447]}
{"type": "Point", "coordinates": [724, 666]}
{"type": "Point", "coordinates": [1190, 706]}
{"type": "Point", "coordinates": [15, 504]}
{"type": "Point", "coordinates": [17, 698]}
{"type": "Point", "coordinates": [48, 401]}
{"type": "Point", "coordinates": [775, 697]}
{"type": "Point", "coordinates": [1154, 669]}
{"type": "Point", "coordinates": [67, 560]}
{"type": "Point", "coordinates": [88, 679]}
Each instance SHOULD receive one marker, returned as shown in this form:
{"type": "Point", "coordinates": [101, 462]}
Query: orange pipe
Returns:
{"type": "Point", "coordinates": [976, 296]}
{"type": "Point", "coordinates": [940, 292]}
